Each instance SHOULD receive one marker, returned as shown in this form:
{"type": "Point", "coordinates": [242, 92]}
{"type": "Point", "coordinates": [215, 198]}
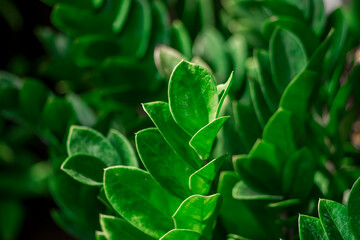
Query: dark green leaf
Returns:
{"type": "Point", "coordinates": [85, 169]}
{"type": "Point", "coordinates": [288, 57]}
{"type": "Point", "coordinates": [241, 191]}
{"type": "Point", "coordinates": [354, 209]}
{"type": "Point", "coordinates": [299, 173]}
{"type": "Point", "coordinates": [297, 95]}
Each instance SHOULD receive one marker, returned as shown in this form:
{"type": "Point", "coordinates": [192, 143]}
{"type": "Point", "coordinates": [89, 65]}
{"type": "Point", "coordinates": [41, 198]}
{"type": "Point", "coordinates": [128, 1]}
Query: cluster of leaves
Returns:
{"type": "Point", "coordinates": [335, 221]}
{"type": "Point", "coordinates": [170, 200]}
{"type": "Point", "coordinates": [292, 100]}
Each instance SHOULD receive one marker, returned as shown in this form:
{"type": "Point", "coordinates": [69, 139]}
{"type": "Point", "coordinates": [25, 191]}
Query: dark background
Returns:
{"type": "Point", "coordinates": [20, 53]}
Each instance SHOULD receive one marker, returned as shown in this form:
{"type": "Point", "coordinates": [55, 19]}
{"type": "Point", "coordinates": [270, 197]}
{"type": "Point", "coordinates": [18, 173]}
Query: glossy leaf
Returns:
{"type": "Point", "coordinates": [198, 213]}
{"type": "Point", "coordinates": [184, 234]}
{"type": "Point", "coordinates": [334, 218]}
{"type": "Point", "coordinates": [310, 228]}
{"type": "Point", "coordinates": [201, 180]}
{"type": "Point", "coordinates": [123, 148]}
{"type": "Point", "coordinates": [117, 229]}
{"type": "Point", "coordinates": [140, 200]}
{"type": "Point", "coordinates": [160, 114]}
{"type": "Point", "coordinates": [192, 97]}
{"type": "Point", "coordinates": [225, 90]}
{"type": "Point", "coordinates": [84, 140]}
{"type": "Point", "coordinates": [354, 209]}
{"type": "Point", "coordinates": [203, 140]}
{"type": "Point", "coordinates": [168, 169]}
{"type": "Point", "coordinates": [85, 169]}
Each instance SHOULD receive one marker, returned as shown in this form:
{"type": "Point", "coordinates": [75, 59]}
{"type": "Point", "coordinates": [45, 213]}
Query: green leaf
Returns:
{"type": "Point", "coordinates": [318, 22]}
{"type": "Point", "coordinates": [193, 98]}
{"type": "Point", "coordinates": [123, 148]}
{"type": "Point", "coordinates": [32, 97]}
{"type": "Point", "coordinates": [11, 218]}
{"type": "Point", "coordinates": [268, 88]}
{"type": "Point", "coordinates": [140, 200]}
{"type": "Point", "coordinates": [262, 111]}
{"type": "Point", "coordinates": [203, 140]}
{"type": "Point", "coordinates": [334, 218]}
{"type": "Point", "coordinates": [183, 234]}
{"type": "Point", "coordinates": [135, 35]}
{"type": "Point", "coordinates": [237, 216]}
{"type": "Point", "coordinates": [85, 115]}
{"type": "Point", "coordinates": [251, 168]}
{"type": "Point", "coordinates": [58, 116]}
{"type": "Point", "coordinates": [9, 89]}
{"type": "Point", "coordinates": [201, 180]}
{"type": "Point", "coordinates": [160, 114]}
{"type": "Point", "coordinates": [70, 19]}
{"type": "Point", "coordinates": [297, 95]}
{"type": "Point", "coordinates": [225, 90]}
{"type": "Point", "coordinates": [210, 46]}
{"type": "Point", "coordinates": [241, 191]}
{"type": "Point", "coordinates": [167, 168]}
{"type": "Point", "coordinates": [85, 169]}
{"type": "Point", "coordinates": [237, 48]}
{"type": "Point", "coordinates": [246, 123]}
{"type": "Point", "coordinates": [100, 236]}
{"type": "Point", "coordinates": [288, 57]}
{"type": "Point", "coordinates": [299, 173]}
{"type": "Point", "coordinates": [180, 39]}
{"type": "Point", "coordinates": [299, 28]}
{"type": "Point", "coordinates": [122, 15]}
{"type": "Point", "coordinates": [284, 204]}
{"type": "Point", "coordinates": [281, 131]}
{"type": "Point", "coordinates": [166, 59]}
{"type": "Point", "coordinates": [310, 228]}
{"type": "Point", "coordinates": [118, 229]}
{"type": "Point", "coordinates": [267, 151]}
{"type": "Point", "coordinates": [354, 209]}
{"type": "Point", "coordinates": [85, 140]}
{"type": "Point", "coordinates": [198, 213]}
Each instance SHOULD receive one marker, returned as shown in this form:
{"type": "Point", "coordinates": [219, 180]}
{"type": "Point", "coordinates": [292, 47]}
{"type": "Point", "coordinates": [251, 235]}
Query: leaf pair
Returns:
{"type": "Point", "coordinates": [335, 220]}
{"type": "Point", "coordinates": [90, 153]}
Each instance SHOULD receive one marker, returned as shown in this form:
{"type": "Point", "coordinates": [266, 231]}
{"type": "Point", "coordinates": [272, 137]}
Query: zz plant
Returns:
{"type": "Point", "coordinates": [172, 199]}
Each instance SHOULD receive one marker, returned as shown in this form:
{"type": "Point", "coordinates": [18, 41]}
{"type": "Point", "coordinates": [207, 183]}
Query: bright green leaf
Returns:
{"type": "Point", "coordinates": [123, 148]}
{"type": "Point", "coordinates": [203, 140]}
{"type": "Point", "coordinates": [193, 98]}
{"type": "Point", "coordinates": [140, 200]}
